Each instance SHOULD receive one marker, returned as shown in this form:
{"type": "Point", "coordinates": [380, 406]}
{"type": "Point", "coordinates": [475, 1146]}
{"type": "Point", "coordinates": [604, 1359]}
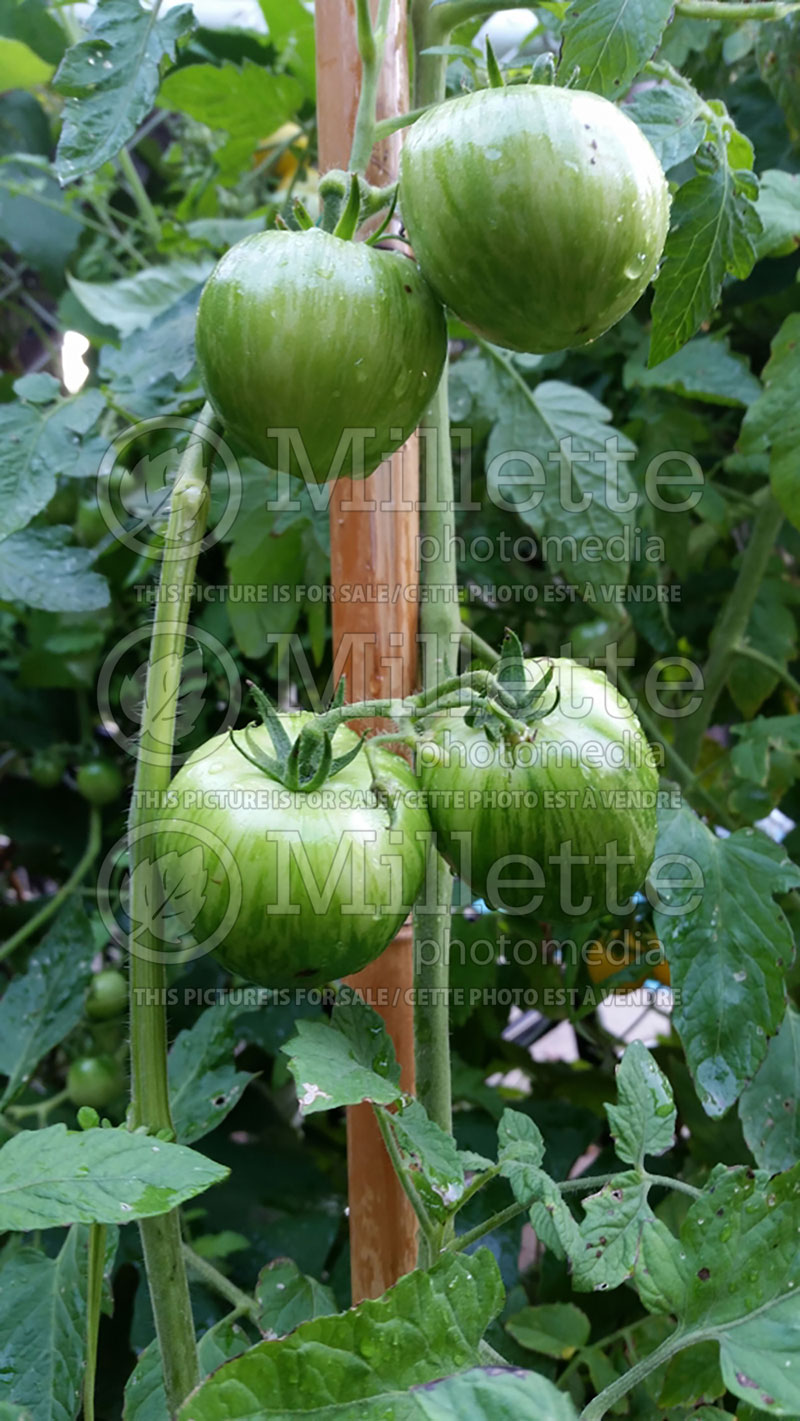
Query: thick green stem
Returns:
{"type": "Point", "coordinates": [731, 627]}
{"type": "Point", "coordinates": [52, 905]}
{"type": "Point", "coordinates": [371, 43]}
{"type": "Point", "coordinates": [94, 1298]}
{"type": "Point", "coordinates": [437, 23]}
{"type": "Point", "coordinates": [161, 1237]}
{"type": "Point", "coordinates": [144, 206]}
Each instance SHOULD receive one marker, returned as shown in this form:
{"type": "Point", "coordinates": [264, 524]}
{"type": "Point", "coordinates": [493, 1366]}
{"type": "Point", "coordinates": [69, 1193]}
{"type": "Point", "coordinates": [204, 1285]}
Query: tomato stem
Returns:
{"type": "Point", "coordinates": [371, 41]}
{"type": "Point", "coordinates": [729, 10]}
{"type": "Point", "coordinates": [161, 1237]}
{"type": "Point", "coordinates": [427, 1226]}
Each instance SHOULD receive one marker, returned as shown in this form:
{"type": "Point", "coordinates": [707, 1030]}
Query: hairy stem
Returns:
{"type": "Point", "coordinates": [138, 192]}
{"type": "Point", "coordinates": [609, 1397]}
{"type": "Point", "coordinates": [161, 1237]}
{"type": "Point", "coordinates": [728, 10]}
{"type": "Point", "coordinates": [53, 904]}
{"type": "Point", "coordinates": [743, 648]}
{"type": "Point", "coordinates": [371, 41]}
{"type": "Point", "coordinates": [731, 627]}
{"type": "Point", "coordinates": [216, 1282]}
{"type": "Point", "coordinates": [426, 1224]}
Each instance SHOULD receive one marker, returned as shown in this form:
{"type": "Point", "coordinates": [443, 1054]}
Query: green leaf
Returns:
{"type": "Point", "coordinates": [608, 42]}
{"type": "Point", "coordinates": [41, 437]}
{"type": "Point", "coordinates": [291, 30]}
{"type": "Point", "coordinates": [693, 1376]}
{"type": "Point", "coordinates": [32, 22]}
{"type": "Point", "coordinates": [481, 1394]}
{"type": "Point", "coordinates": [42, 1005]}
{"type": "Point", "coordinates": [247, 103]}
{"type": "Point", "coordinates": [769, 1108]}
{"type": "Point", "coordinates": [147, 371]}
{"type": "Point", "coordinates": [757, 741]}
{"type": "Point", "coordinates": [771, 629]}
{"type": "Point", "coordinates": [610, 1233]}
{"type": "Point", "coordinates": [20, 68]}
{"type": "Point", "coordinates": [778, 206]}
{"type": "Point", "coordinates": [42, 1323]}
{"type": "Point", "coordinates": [204, 1083]}
{"type": "Point", "coordinates": [705, 369]}
{"type": "Point", "coordinates": [672, 116]}
{"type": "Point", "coordinates": [643, 1121]}
{"type": "Point", "coordinates": [38, 570]}
{"type": "Point", "coordinates": [433, 1156]}
{"type": "Point", "coordinates": [727, 944]}
{"type": "Point", "coordinates": [556, 1329]}
{"type": "Point", "coordinates": [777, 48]}
{"type": "Point", "coordinates": [714, 228]}
{"type": "Point", "coordinates": [145, 1397]}
{"type": "Point", "coordinates": [740, 1269]}
{"type": "Point", "coordinates": [111, 79]}
{"type": "Point", "coordinates": [345, 1061]}
{"type": "Point", "coordinates": [567, 438]}
{"type": "Point", "coordinates": [133, 303]}
{"type": "Point", "coordinates": [773, 422]}
{"type": "Point", "coordinates": [54, 1176]}
{"type": "Point", "coordinates": [520, 1153]}
{"type": "Point", "coordinates": [428, 1325]}
{"type": "Point", "coordinates": [286, 1297]}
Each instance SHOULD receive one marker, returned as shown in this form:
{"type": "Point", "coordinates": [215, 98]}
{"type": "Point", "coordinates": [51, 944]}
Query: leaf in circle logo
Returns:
{"type": "Point", "coordinates": [187, 697]}
{"type": "Point", "coordinates": [174, 892]}
{"type": "Point", "coordinates": [145, 490]}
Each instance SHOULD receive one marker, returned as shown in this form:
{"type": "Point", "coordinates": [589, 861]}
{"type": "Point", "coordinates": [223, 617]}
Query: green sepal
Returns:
{"type": "Point", "coordinates": [378, 233]}
{"type": "Point", "coordinates": [262, 762]}
{"type": "Point", "coordinates": [309, 759]}
{"type": "Point", "coordinates": [302, 216]}
{"type": "Point", "coordinates": [348, 222]}
{"type": "Point", "coordinates": [271, 719]}
{"type": "Point", "coordinates": [342, 760]}
{"type": "Point", "coordinates": [510, 672]}
{"type": "Point", "coordinates": [496, 80]}
{"type": "Point", "coordinates": [339, 694]}
{"type": "Point", "coordinates": [543, 70]}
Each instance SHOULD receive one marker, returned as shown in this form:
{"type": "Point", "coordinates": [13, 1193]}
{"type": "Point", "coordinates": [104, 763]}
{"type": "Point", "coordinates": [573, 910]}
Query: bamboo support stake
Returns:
{"type": "Point", "coordinates": [374, 529]}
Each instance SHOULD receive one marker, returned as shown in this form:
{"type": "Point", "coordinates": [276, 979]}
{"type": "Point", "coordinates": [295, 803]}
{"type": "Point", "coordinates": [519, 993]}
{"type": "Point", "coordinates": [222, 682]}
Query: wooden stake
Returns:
{"type": "Point", "coordinates": [374, 528]}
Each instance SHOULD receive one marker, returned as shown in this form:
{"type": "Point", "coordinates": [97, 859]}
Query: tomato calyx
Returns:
{"type": "Point", "coordinates": [522, 701]}
{"type": "Point", "coordinates": [348, 200]}
{"type": "Point", "coordinates": [301, 765]}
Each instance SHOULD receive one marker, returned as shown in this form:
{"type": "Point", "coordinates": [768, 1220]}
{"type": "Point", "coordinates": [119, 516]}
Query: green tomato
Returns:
{"type": "Point", "coordinates": [320, 355]}
{"type": "Point", "coordinates": [537, 214]}
{"type": "Point", "coordinates": [99, 781]}
{"type": "Point", "coordinates": [292, 888]}
{"type": "Point", "coordinates": [562, 826]}
{"type": "Point", "coordinates": [95, 1081]}
{"type": "Point", "coordinates": [47, 767]}
{"type": "Point", "coordinates": [107, 996]}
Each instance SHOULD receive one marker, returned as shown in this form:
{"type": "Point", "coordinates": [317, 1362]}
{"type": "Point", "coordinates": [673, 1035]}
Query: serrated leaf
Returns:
{"type": "Point", "coordinates": [247, 103]}
{"type": "Point", "coordinates": [42, 1005]}
{"type": "Point", "coordinates": [772, 629]}
{"type": "Point", "coordinates": [672, 117]}
{"type": "Point", "coordinates": [145, 1397]}
{"type": "Point", "coordinates": [39, 570]}
{"type": "Point", "coordinates": [147, 371]}
{"type": "Point", "coordinates": [777, 52]}
{"type": "Point", "coordinates": [727, 944]}
{"type": "Point", "coordinates": [344, 1061]}
{"type": "Point", "coordinates": [609, 41]}
{"type": "Point", "coordinates": [204, 1083]}
{"type": "Point", "coordinates": [769, 1108]}
{"type": "Point", "coordinates": [286, 1298]}
{"type": "Point", "coordinates": [611, 1233]}
{"type": "Point", "coordinates": [581, 464]}
{"type": "Point", "coordinates": [54, 1176]}
{"type": "Point", "coordinates": [42, 1323]}
{"type": "Point", "coordinates": [36, 218]}
{"type": "Point", "coordinates": [713, 232]}
{"type": "Point", "coordinates": [40, 438]}
{"type": "Point", "coordinates": [757, 740]}
{"type": "Point", "coordinates": [693, 1376]}
{"type": "Point", "coordinates": [555, 1329]}
{"type": "Point", "coordinates": [134, 302]}
{"type": "Point", "coordinates": [433, 1156]}
{"type": "Point", "coordinates": [520, 1153]}
{"type": "Point", "coordinates": [111, 79]}
{"type": "Point", "coordinates": [643, 1120]}
{"type": "Point", "coordinates": [705, 369]}
{"type": "Point", "coordinates": [773, 422]}
{"type": "Point", "coordinates": [427, 1326]}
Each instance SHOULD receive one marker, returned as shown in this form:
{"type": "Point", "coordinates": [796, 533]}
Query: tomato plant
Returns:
{"type": "Point", "coordinates": [483, 1176]}
{"type": "Point", "coordinates": [335, 341]}
{"type": "Point", "coordinates": [558, 203]}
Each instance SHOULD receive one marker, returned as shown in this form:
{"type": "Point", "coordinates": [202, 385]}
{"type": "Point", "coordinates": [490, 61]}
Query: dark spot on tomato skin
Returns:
{"type": "Point", "coordinates": [703, 1274]}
